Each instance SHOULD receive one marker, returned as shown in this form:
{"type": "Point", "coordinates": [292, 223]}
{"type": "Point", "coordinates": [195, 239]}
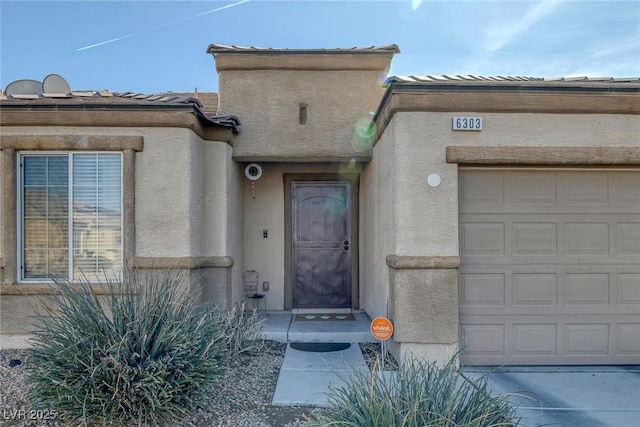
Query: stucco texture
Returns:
{"type": "Point", "coordinates": [166, 210]}
{"type": "Point", "coordinates": [235, 227]}
{"type": "Point", "coordinates": [268, 101]}
{"type": "Point", "coordinates": [378, 233]}
{"type": "Point", "coordinates": [2, 231]}
{"type": "Point", "coordinates": [427, 219]}
{"type": "Point", "coordinates": [424, 305]}
{"type": "Point", "coordinates": [17, 314]}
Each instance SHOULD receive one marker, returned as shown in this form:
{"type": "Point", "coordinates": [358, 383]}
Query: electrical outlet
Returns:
{"type": "Point", "coordinates": [265, 233]}
{"type": "Point", "coordinates": [265, 286]}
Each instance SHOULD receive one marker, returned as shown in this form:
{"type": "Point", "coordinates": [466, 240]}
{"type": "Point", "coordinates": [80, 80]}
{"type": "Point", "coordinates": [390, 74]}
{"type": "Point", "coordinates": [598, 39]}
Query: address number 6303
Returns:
{"type": "Point", "coordinates": [467, 123]}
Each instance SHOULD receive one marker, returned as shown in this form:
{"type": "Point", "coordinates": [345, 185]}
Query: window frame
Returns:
{"type": "Point", "coordinates": [69, 154]}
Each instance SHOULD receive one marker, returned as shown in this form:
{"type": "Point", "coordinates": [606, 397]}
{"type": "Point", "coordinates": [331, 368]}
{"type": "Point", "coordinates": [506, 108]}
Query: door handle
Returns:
{"type": "Point", "coordinates": [346, 242]}
{"type": "Point", "coordinates": [346, 248]}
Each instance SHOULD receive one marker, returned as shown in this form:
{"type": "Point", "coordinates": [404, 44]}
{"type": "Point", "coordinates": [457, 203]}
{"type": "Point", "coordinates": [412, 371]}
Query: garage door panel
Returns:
{"type": "Point", "coordinates": [587, 339]}
{"type": "Point", "coordinates": [590, 288]}
{"type": "Point", "coordinates": [483, 340]}
{"type": "Point", "coordinates": [483, 188]}
{"type": "Point", "coordinates": [535, 289]}
{"type": "Point", "coordinates": [550, 270]}
{"type": "Point", "coordinates": [585, 188]}
{"type": "Point", "coordinates": [585, 260]}
{"type": "Point", "coordinates": [628, 285]}
{"type": "Point", "coordinates": [482, 238]}
{"type": "Point", "coordinates": [628, 235]}
{"type": "Point", "coordinates": [613, 239]}
{"type": "Point", "coordinates": [549, 191]}
{"type": "Point", "coordinates": [495, 312]}
{"type": "Point", "coordinates": [482, 289]}
{"type": "Point", "coordinates": [624, 275]}
{"type": "Point", "coordinates": [533, 188]}
{"type": "Point", "coordinates": [628, 336]}
{"type": "Point", "coordinates": [538, 339]}
{"type": "Point", "coordinates": [586, 238]}
{"type": "Point", "coordinates": [532, 238]}
{"type": "Point", "coordinates": [521, 340]}
{"type": "Point", "coordinates": [549, 209]}
{"type": "Point", "coordinates": [625, 188]}
{"type": "Point", "coordinates": [571, 289]}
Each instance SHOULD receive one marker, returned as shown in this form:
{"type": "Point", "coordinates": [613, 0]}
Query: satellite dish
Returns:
{"type": "Point", "coordinates": [54, 83]}
{"type": "Point", "coordinates": [24, 87]}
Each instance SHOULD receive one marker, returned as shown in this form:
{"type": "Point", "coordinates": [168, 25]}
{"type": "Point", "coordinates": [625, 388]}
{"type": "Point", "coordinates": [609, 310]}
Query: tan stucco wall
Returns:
{"type": "Point", "coordinates": [266, 211]}
{"type": "Point", "coordinates": [426, 219]}
{"type": "Point", "coordinates": [2, 231]}
{"type": "Point", "coordinates": [235, 221]}
{"type": "Point", "coordinates": [378, 183]}
{"type": "Point", "coordinates": [421, 305]}
{"type": "Point", "coordinates": [16, 321]}
{"type": "Point", "coordinates": [188, 206]}
{"type": "Point", "coordinates": [268, 103]}
{"type": "Point", "coordinates": [18, 312]}
{"type": "Point", "coordinates": [165, 217]}
{"type": "Point", "coordinates": [221, 204]}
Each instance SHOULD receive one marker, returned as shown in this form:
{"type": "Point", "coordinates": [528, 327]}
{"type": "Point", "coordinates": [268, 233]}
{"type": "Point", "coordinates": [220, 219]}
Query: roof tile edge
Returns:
{"type": "Point", "coordinates": [214, 48]}
{"type": "Point", "coordinates": [507, 80]}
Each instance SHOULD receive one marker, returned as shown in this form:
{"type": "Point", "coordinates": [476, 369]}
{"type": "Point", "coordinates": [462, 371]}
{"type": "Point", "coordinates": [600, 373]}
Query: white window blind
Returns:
{"type": "Point", "coordinates": [71, 215]}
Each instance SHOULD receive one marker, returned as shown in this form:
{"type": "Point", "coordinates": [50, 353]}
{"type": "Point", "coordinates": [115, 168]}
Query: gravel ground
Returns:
{"type": "Point", "coordinates": [241, 398]}
{"type": "Point", "coordinates": [371, 352]}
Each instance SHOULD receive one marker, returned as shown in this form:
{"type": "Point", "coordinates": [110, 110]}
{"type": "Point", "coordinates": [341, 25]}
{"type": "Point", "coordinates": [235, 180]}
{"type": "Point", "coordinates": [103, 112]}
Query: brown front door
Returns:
{"type": "Point", "coordinates": [321, 218]}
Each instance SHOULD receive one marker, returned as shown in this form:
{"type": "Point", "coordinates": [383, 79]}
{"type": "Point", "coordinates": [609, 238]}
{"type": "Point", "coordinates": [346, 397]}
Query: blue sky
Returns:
{"type": "Point", "coordinates": [156, 46]}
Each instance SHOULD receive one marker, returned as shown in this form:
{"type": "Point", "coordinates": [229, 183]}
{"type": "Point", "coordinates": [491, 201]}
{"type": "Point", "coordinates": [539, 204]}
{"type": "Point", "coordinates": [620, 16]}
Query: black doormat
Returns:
{"type": "Point", "coordinates": [320, 347]}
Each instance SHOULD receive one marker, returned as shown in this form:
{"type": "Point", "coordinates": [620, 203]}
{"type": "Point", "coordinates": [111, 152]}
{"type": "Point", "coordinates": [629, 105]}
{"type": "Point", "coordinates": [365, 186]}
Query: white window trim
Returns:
{"type": "Point", "coordinates": [20, 218]}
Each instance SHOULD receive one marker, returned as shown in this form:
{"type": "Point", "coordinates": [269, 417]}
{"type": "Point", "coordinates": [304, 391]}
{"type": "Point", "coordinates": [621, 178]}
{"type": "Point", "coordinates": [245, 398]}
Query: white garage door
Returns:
{"type": "Point", "coordinates": [550, 267]}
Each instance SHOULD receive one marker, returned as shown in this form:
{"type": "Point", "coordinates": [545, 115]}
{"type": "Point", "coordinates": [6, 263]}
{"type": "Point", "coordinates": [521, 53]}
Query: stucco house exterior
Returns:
{"type": "Point", "coordinates": [500, 215]}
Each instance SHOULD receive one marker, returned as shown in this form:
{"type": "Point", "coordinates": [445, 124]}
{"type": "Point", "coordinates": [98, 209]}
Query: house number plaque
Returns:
{"type": "Point", "coordinates": [467, 123]}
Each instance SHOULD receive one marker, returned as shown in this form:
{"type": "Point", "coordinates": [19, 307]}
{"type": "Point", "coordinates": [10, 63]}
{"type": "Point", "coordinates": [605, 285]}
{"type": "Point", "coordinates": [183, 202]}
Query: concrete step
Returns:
{"type": "Point", "coordinates": [283, 328]}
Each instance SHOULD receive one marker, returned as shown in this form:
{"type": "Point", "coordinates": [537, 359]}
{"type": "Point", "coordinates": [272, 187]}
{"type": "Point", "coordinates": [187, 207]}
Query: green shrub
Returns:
{"type": "Point", "coordinates": [419, 394]}
{"type": "Point", "coordinates": [240, 329]}
{"type": "Point", "coordinates": [141, 356]}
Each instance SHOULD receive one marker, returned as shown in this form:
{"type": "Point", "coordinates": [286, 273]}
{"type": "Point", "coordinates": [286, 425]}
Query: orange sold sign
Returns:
{"type": "Point", "coordinates": [381, 328]}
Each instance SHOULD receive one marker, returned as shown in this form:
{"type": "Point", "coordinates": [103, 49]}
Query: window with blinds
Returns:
{"type": "Point", "coordinates": [71, 216]}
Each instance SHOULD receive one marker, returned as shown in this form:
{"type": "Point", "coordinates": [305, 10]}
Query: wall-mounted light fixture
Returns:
{"type": "Point", "coordinates": [253, 172]}
{"type": "Point", "coordinates": [434, 180]}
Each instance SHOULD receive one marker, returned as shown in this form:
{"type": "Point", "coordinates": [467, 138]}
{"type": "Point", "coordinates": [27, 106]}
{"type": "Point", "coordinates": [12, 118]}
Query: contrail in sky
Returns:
{"type": "Point", "coordinates": [163, 25]}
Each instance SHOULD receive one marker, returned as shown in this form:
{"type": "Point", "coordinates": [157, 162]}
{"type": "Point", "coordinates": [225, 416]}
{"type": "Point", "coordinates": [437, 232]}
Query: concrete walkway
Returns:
{"type": "Point", "coordinates": [570, 396]}
{"type": "Point", "coordinates": [305, 377]}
